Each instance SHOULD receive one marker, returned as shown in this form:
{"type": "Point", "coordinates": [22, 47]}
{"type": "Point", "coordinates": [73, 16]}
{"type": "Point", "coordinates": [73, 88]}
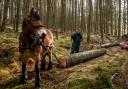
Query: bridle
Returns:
{"type": "Point", "coordinates": [45, 47]}
{"type": "Point", "coordinates": [31, 22]}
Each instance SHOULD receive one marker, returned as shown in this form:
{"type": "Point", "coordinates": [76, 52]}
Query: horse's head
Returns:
{"type": "Point", "coordinates": [35, 19]}
{"type": "Point", "coordinates": [31, 22]}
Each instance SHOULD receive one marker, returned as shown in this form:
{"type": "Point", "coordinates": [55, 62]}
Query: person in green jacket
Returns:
{"type": "Point", "coordinates": [76, 38]}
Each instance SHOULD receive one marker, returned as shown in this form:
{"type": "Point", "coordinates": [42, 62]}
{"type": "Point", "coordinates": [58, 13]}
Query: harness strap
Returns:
{"type": "Point", "coordinates": [37, 26]}
{"type": "Point", "coordinates": [50, 52]}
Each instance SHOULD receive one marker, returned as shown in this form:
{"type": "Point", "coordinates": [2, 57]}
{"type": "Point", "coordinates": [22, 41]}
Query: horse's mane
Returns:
{"type": "Point", "coordinates": [35, 14]}
{"type": "Point", "coordinates": [24, 23]}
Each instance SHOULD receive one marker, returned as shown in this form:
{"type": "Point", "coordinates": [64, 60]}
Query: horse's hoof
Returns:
{"type": "Point", "coordinates": [37, 87]}
{"type": "Point", "coordinates": [19, 59]}
{"type": "Point", "coordinates": [22, 82]}
{"type": "Point", "coordinates": [26, 78]}
{"type": "Point", "coordinates": [42, 68]}
{"type": "Point", "coordinates": [49, 66]}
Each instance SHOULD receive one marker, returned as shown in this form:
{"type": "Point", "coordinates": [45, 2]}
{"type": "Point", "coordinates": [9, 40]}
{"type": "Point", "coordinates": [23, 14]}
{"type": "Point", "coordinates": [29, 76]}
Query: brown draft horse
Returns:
{"type": "Point", "coordinates": [31, 25]}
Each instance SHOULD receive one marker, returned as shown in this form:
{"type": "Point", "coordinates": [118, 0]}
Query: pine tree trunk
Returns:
{"type": "Point", "coordinates": [63, 15]}
{"type": "Point", "coordinates": [119, 20]}
{"type": "Point", "coordinates": [82, 15]}
{"type": "Point", "coordinates": [89, 25]}
{"type": "Point", "coordinates": [127, 16]}
{"type": "Point", "coordinates": [18, 15]}
{"type": "Point", "coordinates": [48, 13]}
{"type": "Point", "coordinates": [6, 5]}
{"type": "Point", "coordinates": [101, 21]}
{"type": "Point", "coordinates": [1, 5]}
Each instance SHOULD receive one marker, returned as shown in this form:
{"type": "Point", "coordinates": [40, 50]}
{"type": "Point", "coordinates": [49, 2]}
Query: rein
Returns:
{"type": "Point", "coordinates": [47, 50]}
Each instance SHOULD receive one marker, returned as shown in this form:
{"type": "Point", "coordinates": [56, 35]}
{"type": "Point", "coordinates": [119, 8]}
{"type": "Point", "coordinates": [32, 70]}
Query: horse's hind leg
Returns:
{"type": "Point", "coordinates": [24, 76]}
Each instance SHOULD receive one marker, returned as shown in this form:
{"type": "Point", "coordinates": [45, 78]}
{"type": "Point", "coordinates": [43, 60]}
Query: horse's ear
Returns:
{"type": "Point", "coordinates": [32, 11]}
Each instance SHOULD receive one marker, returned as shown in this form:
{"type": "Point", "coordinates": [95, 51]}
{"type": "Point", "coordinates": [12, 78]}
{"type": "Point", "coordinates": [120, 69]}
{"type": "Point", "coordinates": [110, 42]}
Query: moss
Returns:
{"type": "Point", "coordinates": [81, 83]}
{"type": "Point", "coordinates": [97, 69]}
{"type": "Point", "coordinates": [120, 60]}
{"type": "Point", "coordinates": [103, 79]}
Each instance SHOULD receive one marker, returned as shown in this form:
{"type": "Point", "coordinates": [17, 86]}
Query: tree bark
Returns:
{"type": "Point", "coordinates": [101, 20]}
{"type": "Point", "coordinates": [48, 13]}
{"type": "Point", "coordinates": [107, 45]}
{"type": "Point", "coordinates": [6, 5]}
{"type": "Point", "coordinates": [89, 24]}
{"type": "Point", "coordinates": [119, 20]}
{"type": "Point", "coordinates": [82, 15]}
{"type": "Point", "coordinates": [63, 15]}
{"type": "Point", "coordinates": [18, 15]}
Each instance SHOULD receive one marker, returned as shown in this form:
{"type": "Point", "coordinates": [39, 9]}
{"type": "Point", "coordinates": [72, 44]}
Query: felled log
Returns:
{"type": "Point", "coordinates": [73, 59]}
{"type": "Point", "coordinates": [107, 45]}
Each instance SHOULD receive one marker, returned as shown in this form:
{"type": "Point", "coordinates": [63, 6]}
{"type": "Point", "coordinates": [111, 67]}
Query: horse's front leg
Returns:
{"type": "Point", "coordinates": [24, 76]}
{"type": "Point", "coordinates": [37, 76]}
{"type": "Point", "coordinates": [43, 63]}
{"type": "Point", "coordinates": [50, 60]}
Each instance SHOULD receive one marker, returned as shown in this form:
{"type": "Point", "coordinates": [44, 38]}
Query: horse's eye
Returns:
{"type": "Point", "coordinates": [32, 19]}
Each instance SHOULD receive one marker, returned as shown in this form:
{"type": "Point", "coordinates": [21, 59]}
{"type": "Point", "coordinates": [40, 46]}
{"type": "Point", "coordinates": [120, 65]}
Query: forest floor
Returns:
{"type": "Point", "coordinates": [93, 74]}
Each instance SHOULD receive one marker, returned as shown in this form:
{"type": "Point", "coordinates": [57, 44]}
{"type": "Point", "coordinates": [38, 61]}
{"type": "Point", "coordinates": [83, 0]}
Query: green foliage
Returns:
{"type": "Point", "coordinates": [28, 85]}
{"type": "Point", "coordinates": [59, 51]}
{"type": "Point", "coordinates": [97, 69]}
{"type": "Point", "coordinates": [120, 60]}
{"type": "Point", "coordinates": [103, 79]}
{"type": "Point", "coordinates": [4, 74]}
{"type": "Point", "coordinates": [8, 39]}
{"type": "Point", "coordinates": [81, 83]}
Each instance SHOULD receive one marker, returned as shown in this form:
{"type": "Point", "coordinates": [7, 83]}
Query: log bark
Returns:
{"type": "Point", "coordinates": [73, 59]}
{"type": "Point", "coordinates": [107, 45]}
